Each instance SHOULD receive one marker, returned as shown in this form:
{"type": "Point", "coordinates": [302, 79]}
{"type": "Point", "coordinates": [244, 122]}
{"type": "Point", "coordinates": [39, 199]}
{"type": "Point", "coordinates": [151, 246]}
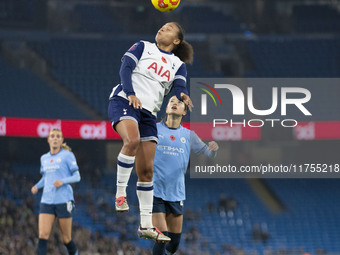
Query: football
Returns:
{"type": "Point", "coordinates": [165, 5]}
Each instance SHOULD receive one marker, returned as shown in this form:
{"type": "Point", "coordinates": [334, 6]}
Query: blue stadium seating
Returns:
{"type": "Point", "coordinates": [17, 11]}
{"type": "Point", "coordinates": [89, 68]}
{"type": "Point", "coordinates": [97, 19]}
{"type": "Point", "coordinates": [296, 57]}
{"type": "Point", "coordinates": [25, 95]}
{"type": "Point", "coordinates": [288, 56]}
{"type": "Point", "coordinates": [316, 19]}
{"type": "Point", "coordinates": [204, 19]}
{"type": "Point", "coordinates": [312, 217]}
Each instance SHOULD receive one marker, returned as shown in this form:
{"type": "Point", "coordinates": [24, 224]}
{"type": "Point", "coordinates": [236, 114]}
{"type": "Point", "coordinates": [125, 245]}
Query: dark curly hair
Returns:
{"type": "Point", "coordinates": [183, 50]}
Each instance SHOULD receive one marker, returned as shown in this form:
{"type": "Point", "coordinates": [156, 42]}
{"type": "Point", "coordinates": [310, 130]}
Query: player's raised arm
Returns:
{"type": "Point", "coordinates": [129, 63]}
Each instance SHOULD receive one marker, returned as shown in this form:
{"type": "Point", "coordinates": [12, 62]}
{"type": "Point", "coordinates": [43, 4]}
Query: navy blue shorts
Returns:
{"type": "Point", "coordinates": [119, 109]}
{"type": "Point", "coordinates": [59, 210]}
{"type": "Point", "coordinates": [161, 206]}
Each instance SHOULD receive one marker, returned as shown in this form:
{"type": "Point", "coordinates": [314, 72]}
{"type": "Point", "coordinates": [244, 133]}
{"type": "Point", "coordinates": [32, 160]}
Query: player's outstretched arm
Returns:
{"type": "Point", "coordinates": [199, 147]}
{"type": "Point", "coordinates": [213, 146]}
{"type": "Point", "coordinates": [186, 99]}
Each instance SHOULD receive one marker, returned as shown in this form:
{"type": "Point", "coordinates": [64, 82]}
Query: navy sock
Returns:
{"type": "Point", "coordinates": [71, 248]}
{"type": "Point", "coordinates": [158, 248]}
{"type": "Point", "coordinates": [42, 247]}
{"type": "Point", "coordinates": [172, 246]}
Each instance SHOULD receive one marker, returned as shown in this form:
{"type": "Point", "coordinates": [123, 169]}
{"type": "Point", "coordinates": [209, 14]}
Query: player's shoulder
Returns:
{"type": "Point", "coordinates": [193, 134]}
{"type": "Point", "coordinates": [146, 42]}
{"type": "Point", "coordinates": [186, 131]}
{"type": "Point", "coordinates": [160, 125]}
{"type": "Point", "coordinates": [179, 63]}
{"type": "Point", "coordinates": [66, 154]}
{"type": "Point", "coordinates": [137, 46]}
{"type": "Point", "coordinates": [150, 46]}
{"type": "Point", "coordinates": [45, 155]}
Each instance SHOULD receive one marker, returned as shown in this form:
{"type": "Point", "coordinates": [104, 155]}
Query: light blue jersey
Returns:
{"type": "Point", "coordinates": [61, 166]}
{"type": "Point", "coordinates": [172, 159]}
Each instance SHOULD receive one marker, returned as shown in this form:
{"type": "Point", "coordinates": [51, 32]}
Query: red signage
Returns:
{"type": "Point", "coordinates": [317, 130]}
{"type": "Point", "coordinates": [83, 129]}
{"type": "Point", "coordinates": [71, 128]}
{"type": "Point", "coordinates": [79, 129]}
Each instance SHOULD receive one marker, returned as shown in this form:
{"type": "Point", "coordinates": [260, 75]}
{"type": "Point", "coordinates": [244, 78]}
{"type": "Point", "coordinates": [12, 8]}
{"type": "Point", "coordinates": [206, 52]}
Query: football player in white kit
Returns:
{"type": "Point", "coordinates": [148, 72]}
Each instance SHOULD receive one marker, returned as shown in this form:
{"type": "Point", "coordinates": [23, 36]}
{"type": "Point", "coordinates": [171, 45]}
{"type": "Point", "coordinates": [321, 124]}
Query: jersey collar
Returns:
{"type": "Point", "coordinates": [163, 123]}
{"type": "Point", "coordinates": [57, 152]}
{"type": "Point", "coordinates": [163, 51]}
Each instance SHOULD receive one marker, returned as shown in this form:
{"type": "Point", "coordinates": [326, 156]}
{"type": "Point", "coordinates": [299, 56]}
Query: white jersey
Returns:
{"type": "Point", "coordinates": [153, 76]}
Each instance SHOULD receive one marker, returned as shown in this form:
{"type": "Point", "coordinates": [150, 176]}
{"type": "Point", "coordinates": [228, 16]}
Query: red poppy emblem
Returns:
{"type": "Point", "coordinates": [173, 138]}
{"type": "Point", "coordinates": [51, 161]}
{"type": "Point", "coordinates": [164, 60]}
{"type": "Point", "coordinates": [133, 47]}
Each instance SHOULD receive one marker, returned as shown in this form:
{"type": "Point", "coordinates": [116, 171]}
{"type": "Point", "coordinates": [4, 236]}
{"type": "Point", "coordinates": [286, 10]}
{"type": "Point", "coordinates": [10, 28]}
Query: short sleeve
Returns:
{"type": "Point", "coordinates": [135, 52]}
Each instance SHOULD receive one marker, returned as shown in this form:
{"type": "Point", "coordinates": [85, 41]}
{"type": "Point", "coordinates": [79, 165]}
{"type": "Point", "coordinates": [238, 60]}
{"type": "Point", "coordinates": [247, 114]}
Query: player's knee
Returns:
{"type": "Point", "coordinates": [149, 174]}
{"type": "Point", "coordinates": [145, 175]}
{"type": "Point", "coordinates": [172, 246]}
{"type": "Point", "coordinates": [131, 144]}
{"type": "Point", "coordinates": [44, 235]}
{"type": "Point", "coordinates": [66, 239]}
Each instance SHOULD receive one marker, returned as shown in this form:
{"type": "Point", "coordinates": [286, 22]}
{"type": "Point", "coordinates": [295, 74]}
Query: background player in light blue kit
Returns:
{"type": "Point", "coordinates": [58, 168]}
{"type": "Point", "coordinates": [171, 162]}
{"type": "Point", "coordinates": [147, 73]}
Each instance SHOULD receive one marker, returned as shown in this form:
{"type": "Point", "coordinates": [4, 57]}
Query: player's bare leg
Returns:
{"type": "Point", "coordinates": [128, 130]}
{"type": "Point", "coordinates": [45, 226]}
{"type": "Point", "coordinates": [65, 226]}
{"type": "Point", "coordinates": [159, 221]}
{"type": "Point", "coordinates": [144, 166]}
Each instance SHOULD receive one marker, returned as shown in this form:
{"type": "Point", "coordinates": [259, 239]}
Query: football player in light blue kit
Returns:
{"type": "Point", "coordinates": [58, 168]}
{"type": "Point", "coordinates": [148, 72]}
{"type": "Point", "coordinates": [171, 161]}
